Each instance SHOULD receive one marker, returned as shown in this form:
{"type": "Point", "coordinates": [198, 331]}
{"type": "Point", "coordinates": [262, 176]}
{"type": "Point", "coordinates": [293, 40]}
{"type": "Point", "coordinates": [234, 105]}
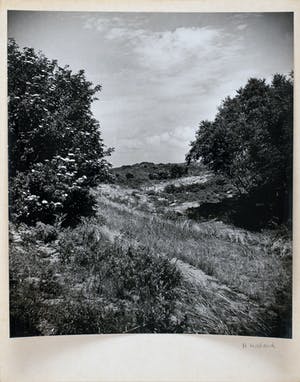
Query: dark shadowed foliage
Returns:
{"type": "Point", "coordinates": [251, 143]}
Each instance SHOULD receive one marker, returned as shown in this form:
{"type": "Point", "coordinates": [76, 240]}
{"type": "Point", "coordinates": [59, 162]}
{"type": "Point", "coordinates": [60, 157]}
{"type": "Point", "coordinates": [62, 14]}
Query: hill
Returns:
{"type": "Point", "coordinates": [144, 172]}
{"type": "Point", "coordinates": [141, 265]}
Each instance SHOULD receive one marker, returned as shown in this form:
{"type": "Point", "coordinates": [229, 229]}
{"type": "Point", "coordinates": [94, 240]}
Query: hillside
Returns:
{"type": "Point", "coordinates": [141, 265]}
{"type": "Point", "coordinates": [141, 173]}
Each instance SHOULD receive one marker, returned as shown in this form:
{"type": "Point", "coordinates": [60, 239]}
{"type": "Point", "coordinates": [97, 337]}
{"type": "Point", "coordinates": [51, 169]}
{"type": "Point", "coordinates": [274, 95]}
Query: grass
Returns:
{"type": "Point", "coordinates": [82, 283]}
{"type": "Point", "coordinates": [243, 260]}
{"type": "Point", "coordinates": [139, 267]}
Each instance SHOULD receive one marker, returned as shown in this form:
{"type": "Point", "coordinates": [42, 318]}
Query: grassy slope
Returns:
{"type": "Point", "coordinates": [237, 275]}
{"type": "Point", "coordinates": [88, 280]}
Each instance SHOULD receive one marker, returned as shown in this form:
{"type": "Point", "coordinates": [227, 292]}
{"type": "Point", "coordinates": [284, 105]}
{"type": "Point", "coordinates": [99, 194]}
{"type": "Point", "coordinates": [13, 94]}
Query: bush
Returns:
{"type": "Point", "coordinates": [177, 171]}
{"type": "Point", "coordinates": [83, 316]}
{"type": "Point", "coordinates": [153, 176]}
{"type": "Point", "coordinates": [50, 189]}
{"type": "Point", "coordinates": [129, 175]}
{"type": "Point", "coordinates": [46, 232]}
{"type": "Point", "coordinates": [101, 287]}
{"type": "Point", "coordinates": [171, 189]}
{"type": "Point", "coordinates": [25, 307]}
{"type": "Point", "coordinates": [55, 148]}
{"type": "Point", "coordinates": [134, 287]}
{"type": "Point", "coordinates": [163, 175]}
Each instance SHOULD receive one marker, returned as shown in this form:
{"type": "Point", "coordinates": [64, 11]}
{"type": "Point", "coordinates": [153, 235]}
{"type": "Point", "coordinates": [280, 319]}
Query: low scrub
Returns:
{"type": "Point", "coordinates": [81, 284]}
{"type": "Point", "coordinates": [250, 211]}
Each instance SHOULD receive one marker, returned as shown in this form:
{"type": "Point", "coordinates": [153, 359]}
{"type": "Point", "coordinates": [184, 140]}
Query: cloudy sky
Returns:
{"type": "Point", "coordinates": [161, 73]}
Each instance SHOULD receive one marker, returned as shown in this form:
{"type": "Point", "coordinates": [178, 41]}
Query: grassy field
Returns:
{"type": "Point", "coordinates": [140, 265]}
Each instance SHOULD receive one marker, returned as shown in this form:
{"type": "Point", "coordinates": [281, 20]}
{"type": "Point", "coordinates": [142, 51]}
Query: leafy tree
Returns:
{"type": "Point", "coordinates": [251, 141]}
{"type": "Point", "coordinates": [55, 148]}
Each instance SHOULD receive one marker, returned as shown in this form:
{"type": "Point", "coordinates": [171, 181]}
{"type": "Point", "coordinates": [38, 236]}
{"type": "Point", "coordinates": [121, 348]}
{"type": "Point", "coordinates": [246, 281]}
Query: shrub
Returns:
{"type": "Point", "coordinates": [25, 307]}
{"type": "Point", "coordinates": [163, 175]}
{"type": "Point", "coordinates": [46, 232]}
{"type": "Point", "coordinates": [55, 148]}
{"type": "Point", "coordinates": [153, 176]}
{"type": "Point", "coordinates": [49, 189]}
{"type": "Point", "coordinates": [49, 285]}
{"type": "Point", "coordinates": [220, 181]}
{"type": "Point", "coordinates": [84, 316]}
{"type": "Point", "coordinates": [134, 287]}
{"type": "Point", "coordinates": [129, 175]}
{"type": "Point", "coordinates": [171, 189]}
{"type": "Point", "coordinates": [177, 171]}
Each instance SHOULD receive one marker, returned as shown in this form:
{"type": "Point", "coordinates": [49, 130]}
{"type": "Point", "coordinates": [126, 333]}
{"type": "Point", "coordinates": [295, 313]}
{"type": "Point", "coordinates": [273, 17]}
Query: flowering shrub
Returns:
{"type": "Point", "coordinates": [55, 148]}
{"type": "Point", "coordinates": [49, 189]}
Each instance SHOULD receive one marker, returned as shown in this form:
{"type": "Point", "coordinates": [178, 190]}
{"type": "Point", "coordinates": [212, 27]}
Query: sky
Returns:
{"type": "Point", "coordinates": [161, 73]}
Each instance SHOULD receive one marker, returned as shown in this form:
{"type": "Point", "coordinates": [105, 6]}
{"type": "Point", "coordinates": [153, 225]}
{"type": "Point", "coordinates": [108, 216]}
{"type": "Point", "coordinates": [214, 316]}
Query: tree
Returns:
{"type": "Point", "coordinates": [250, 140]}
{"type": "Point", "coordinates": [55, 147]}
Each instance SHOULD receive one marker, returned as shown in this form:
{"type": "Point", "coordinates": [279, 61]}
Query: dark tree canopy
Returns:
{"type": "Point", "coordinates": [250, 140]}
{"type": "Point", "coordinates": [55, 146]}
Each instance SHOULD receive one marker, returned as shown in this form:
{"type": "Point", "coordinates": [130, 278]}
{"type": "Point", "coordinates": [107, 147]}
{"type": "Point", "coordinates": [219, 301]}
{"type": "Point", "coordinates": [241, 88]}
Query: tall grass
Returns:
{"type": "Point", "coordinates": [82, 283]}
{"type": "Point", "coordinates": [255, 266]}
{"type": "Point", "coordinates": [130, 269]}
{"type": "Point", "coordinates": [243, 260]}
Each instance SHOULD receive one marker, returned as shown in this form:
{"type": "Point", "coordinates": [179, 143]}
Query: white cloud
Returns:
{"type": "Point", "coordinates": [153, 140]}
{"type": "Point", "coordinates": [158, 50]}
{"type": "Point", "coordinates": [242, 27]}
{"type": "Point", "coordinates": [172, 48]}
{"type": "Point", "coordinates": [175, 139]}
{"type": "Point", "coordinates": [131, 143]}
{"type": "Point", "coordinates": [184, 133]}
{"type": "Point", "coordinates": [96, 23]}
{"type": "Point", "coordinates": [100, 21]}
{"type": "Point", "coordinates": [169, 49]}
{"type": "Point", "coordinates": [164, 81]}
{"type": "Point", "coordinates": [124, 33]}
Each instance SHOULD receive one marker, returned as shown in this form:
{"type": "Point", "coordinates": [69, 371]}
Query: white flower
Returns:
{"type": "Point", "coordinates": [32, 197]}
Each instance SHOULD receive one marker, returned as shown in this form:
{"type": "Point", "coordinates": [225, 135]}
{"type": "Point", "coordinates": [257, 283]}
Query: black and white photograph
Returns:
{"type": "Point", "coordinates": [150, 161]}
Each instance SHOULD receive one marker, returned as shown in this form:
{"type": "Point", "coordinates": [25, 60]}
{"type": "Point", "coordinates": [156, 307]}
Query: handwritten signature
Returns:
{"type": "Point", "coordinates": [258, 345]}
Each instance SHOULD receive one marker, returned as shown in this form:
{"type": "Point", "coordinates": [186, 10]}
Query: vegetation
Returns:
{"type": "Point", "coordinates": [88, 256]}
{"type": "Point", "coordinates": [251, 143]}
{"type": "Point", "coordinates": [81, 283]}
{"type": "Point", "coordinates": [99, 276]}
{"type": "Point", "coordinates": [55, 149]}
{"type": "Point", "coordinates": [140, 173]}
{"type": "Point", "coordinates": [177, 171]}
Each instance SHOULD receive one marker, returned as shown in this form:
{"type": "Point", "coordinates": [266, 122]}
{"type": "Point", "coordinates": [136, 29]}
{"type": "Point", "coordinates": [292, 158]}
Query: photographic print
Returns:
{"type": "Point", "coordinates": [150, 173]}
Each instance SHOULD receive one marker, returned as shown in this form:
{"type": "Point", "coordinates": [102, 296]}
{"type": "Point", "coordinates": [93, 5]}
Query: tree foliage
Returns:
{"type": "Point", "coordinates": [55, 147]}
{"type": "Point", "coordinates": [251, 140]}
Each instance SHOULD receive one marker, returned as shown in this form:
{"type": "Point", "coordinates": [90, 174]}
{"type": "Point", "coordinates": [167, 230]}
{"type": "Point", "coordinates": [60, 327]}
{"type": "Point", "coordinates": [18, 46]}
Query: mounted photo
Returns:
{"type": "Point", "coordinates": [150, 173]}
